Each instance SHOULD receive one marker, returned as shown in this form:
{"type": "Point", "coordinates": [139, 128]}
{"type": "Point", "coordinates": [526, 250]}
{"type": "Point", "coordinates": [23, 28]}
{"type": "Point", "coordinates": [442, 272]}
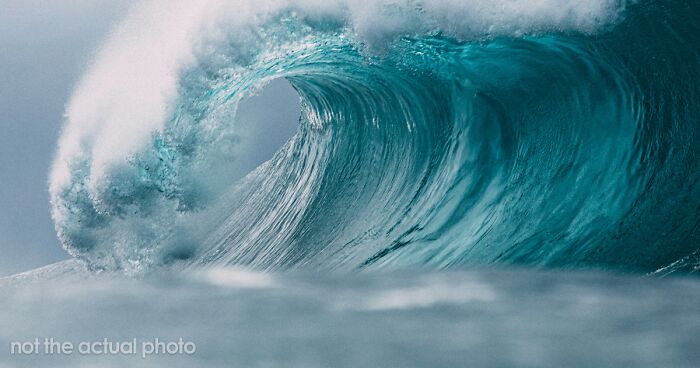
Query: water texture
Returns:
{"type": "Point", "coordinates": [433, 134]}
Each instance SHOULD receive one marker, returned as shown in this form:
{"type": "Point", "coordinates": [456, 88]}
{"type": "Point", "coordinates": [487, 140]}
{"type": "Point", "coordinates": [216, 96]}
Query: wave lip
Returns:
{"type": "Point", "coordinates": [445, 134]}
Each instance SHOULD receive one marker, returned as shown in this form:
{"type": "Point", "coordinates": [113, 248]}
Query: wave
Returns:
{"type": "Point", "coordinates": [433, 134]}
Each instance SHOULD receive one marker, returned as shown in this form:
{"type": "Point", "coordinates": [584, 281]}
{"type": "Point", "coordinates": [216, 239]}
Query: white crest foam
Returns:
{"type": "Point", "coordinates": [127, 93]}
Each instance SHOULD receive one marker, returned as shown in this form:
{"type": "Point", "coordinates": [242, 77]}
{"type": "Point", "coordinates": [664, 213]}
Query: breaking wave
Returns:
{"type": "Point", "coordinates": [433, 134]}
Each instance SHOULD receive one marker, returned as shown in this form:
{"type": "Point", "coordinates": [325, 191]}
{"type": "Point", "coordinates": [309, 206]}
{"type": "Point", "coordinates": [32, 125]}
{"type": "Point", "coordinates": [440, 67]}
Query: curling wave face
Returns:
{"type": "Point", "coordinates": [433, 134]}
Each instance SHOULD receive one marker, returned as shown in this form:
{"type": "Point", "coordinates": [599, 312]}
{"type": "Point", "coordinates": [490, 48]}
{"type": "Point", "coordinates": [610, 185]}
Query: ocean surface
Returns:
{"type": "Point", "coordinates": [479, 183]}
{"type": "Point", "coordinates": [242, 318]}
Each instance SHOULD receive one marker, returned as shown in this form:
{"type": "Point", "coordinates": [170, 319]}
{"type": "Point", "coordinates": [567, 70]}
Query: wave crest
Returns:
{"type": "Point", "coordinates": [433, 134]}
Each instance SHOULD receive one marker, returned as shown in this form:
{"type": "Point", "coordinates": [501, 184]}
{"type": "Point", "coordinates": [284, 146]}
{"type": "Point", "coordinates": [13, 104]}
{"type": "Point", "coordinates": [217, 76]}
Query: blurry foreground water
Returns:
{"type": "Point", "coordinates": [238, 318]}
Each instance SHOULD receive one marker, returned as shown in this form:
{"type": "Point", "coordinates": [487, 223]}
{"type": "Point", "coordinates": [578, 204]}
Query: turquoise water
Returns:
{"type": "Point", "coordinates": [480, 183]}
{"type": "Point", "coordinates": [565, 142]}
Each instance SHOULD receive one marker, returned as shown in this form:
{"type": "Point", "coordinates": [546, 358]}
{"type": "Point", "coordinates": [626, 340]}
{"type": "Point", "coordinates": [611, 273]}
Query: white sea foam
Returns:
{"type": "Point", "coordinates": [426, 296]}
{"type": "Point", "coordinates": [238, 278]}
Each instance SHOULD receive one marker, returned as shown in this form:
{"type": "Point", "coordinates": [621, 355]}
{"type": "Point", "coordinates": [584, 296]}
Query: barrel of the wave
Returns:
{"type": "Point", "coordinates": [541, 140]}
